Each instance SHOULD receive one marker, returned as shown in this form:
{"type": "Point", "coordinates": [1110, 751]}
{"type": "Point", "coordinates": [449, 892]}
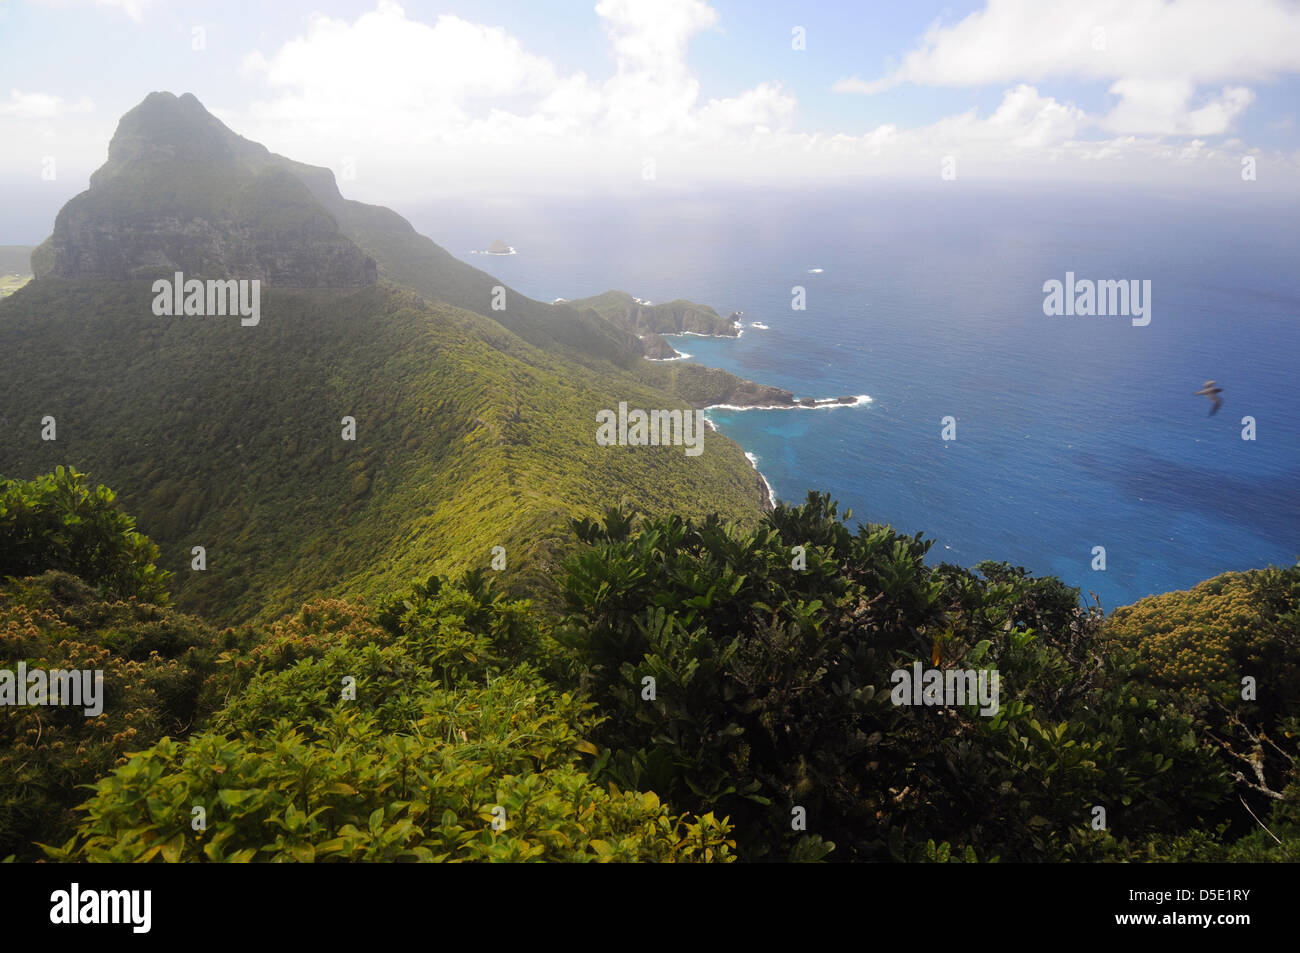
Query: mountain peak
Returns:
{"type": "Point", "coordinates": [165, 127]}
{"type": "Point", "coordinates": [183, 192]}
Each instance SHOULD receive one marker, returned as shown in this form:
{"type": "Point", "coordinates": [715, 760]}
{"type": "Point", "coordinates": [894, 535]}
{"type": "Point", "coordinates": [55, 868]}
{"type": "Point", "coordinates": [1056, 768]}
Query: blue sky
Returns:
{"type": "Point", "coordinates": [504, 95]}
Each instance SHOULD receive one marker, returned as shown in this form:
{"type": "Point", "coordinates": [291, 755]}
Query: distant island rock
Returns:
{"type": "Point", "coordinates": [498, 247]}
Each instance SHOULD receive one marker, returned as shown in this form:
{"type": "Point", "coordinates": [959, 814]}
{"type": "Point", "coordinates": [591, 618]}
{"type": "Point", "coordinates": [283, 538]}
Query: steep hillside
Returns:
{"type": "Point", "coordinates": [231, 438]}
{"type": "Point", "coordinates": [474, 428]}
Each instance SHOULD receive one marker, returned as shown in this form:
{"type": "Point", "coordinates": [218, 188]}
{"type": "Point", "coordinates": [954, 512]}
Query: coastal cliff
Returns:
{"type": "Point", "coordinates": [673, 317]}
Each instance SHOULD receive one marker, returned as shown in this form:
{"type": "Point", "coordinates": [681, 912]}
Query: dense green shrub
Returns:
{"type": "Point", "coordinates": [388, 740]}
{"type": "Point", "coordinates": [395, 731]}
{"type": "Point", "coordinates": [350, 790]}
{"type": "Point", "coordinates": [154, 663]}
{"type": "Point", "coordinates": [772, 651]}
{"type": "Point", "coordinates": [1229, 651]}
{"type": "Point", "coordinates": [58, 522]}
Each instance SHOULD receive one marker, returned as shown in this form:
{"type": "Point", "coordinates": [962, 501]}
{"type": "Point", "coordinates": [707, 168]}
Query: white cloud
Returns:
{"type": "Point", "coordinates": [1033, 136]}
{"type": "Point", "coordinates": [387, 83]}
{"type": "Point", "coordinates": [22, 105]}
{"type": "Point", "coordinates": [1162, 106]}
{"type": "Point", "coordinates": [468, 105]}
{"type": "Point", "coordinates": [1204, 41]}
{"type": "Point", "coordinates": [455, 81]}
{"type": "Point", "coordinates": [1025, 126]}
{"type": "Point", "coordinates": [654, 90]}
{"type": "Point", "coordinates": [1157, 53]}
{"type": "Point", "coordinates": [395, 78]}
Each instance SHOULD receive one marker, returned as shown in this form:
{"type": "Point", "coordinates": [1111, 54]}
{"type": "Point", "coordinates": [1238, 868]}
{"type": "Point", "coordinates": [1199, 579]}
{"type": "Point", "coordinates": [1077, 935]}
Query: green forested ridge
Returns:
{"type": "Point", "coordinates": [231, 438]}
{"type": "Point", "coordinates": [475, 426]}
{"type": "Point", "coordinates": [181, 191]}
{"type": "Point", "coordinates": [448, 721]}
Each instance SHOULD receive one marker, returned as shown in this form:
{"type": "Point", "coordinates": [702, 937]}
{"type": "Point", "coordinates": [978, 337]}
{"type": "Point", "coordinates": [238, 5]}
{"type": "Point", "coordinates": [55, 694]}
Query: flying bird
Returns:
{"type": "Point", "coordinates": [1212, 391]}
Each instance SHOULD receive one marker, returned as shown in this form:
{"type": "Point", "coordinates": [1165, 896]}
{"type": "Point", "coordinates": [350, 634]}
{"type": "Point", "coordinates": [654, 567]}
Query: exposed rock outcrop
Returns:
{"type": "Point", "coordinates": [181, 192]}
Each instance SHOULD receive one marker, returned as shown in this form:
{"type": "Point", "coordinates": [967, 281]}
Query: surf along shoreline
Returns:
{"type": "Point", "coordinates": [795, 403]}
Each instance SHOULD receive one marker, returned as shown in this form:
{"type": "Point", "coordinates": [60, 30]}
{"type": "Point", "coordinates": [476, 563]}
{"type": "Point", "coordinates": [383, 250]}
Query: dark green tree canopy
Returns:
{"type": "Point", "coordinates": [58, 522]}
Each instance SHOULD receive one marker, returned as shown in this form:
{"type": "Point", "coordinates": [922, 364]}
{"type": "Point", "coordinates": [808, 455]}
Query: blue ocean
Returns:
{"type": "Point", "coordinates": [1071, 432]}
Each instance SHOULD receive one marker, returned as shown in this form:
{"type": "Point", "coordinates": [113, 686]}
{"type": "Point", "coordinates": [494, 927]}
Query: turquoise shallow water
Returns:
{"type": "Point", "coordinates": [1072, 432]}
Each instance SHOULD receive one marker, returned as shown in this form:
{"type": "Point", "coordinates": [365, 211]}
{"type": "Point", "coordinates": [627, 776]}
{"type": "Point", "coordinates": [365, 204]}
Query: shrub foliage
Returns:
{"type": "Point", "coordinates": [706, 692]}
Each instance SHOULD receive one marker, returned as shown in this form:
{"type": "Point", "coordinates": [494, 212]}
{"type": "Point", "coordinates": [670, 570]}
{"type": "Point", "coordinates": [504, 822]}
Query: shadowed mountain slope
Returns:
{"type": "Point", "coordinates": [473, 428]}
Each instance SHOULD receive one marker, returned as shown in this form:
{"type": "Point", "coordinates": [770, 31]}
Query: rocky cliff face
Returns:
{"type": "Point", "coordinates": [738, 392]}
{"type": "Point", "coordinates": [678, 317]}
{"type": "Point", "coordinates": [656, 348]}
{"type": "Point", "coordinates": [672, 317]}
{"type": "Point", "coordinates": [90, 246]}
{"type": "Point", "coordinates": [709, 386]}
{"type": "Point", "coordinates": [181, 192]}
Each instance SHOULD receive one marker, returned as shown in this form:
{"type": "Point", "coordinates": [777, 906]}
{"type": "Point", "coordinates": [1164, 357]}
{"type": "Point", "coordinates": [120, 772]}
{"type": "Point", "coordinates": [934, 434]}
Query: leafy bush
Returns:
{"type": "Point", "coordinates": [1229, 651]}
{"type": "Point", "coordinates": [708, 688]}
{"type": "Point", "coordinates": [771, 668]}
{"type": "Point", "coordinates": [57, 522]}
{"type": "Point", "coordinates": [352, 791]}
{"type": "Point", "coordinates": [1200, 640]}
{"type": "Point", "coordinates": [388, 740]}
{"type": "Point", "coordinates": [154, 664]}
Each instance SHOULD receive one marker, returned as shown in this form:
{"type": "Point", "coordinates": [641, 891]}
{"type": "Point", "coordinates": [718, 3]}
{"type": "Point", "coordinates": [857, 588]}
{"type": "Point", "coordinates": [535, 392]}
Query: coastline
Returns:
{"type": "Point", "coordinates": [770, 494]}
{"type": "Point", "coordinates": [821, 403]}
{"type": "Point", "coordinates": [769, 502]}
{"type": "Point", "coordinates": [701, 334]}
{"type": "Point", "coordinates": [796, 403]}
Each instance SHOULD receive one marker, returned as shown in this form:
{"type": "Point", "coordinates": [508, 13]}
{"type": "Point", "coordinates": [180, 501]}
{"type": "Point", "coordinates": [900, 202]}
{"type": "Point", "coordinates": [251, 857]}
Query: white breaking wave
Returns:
{"type": "Point", "coordinates": [697, 334]}
{"type": "Point", "coordinates": [860, 401]}
{"type": "Point", "coordinates": [760, 325]}
{"type": "Point", "coordinates": [681, 356]}
{"type": "Point", "coordinates": [753, 462]}
{"type": "Point", "coordinates": [815, 271]}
